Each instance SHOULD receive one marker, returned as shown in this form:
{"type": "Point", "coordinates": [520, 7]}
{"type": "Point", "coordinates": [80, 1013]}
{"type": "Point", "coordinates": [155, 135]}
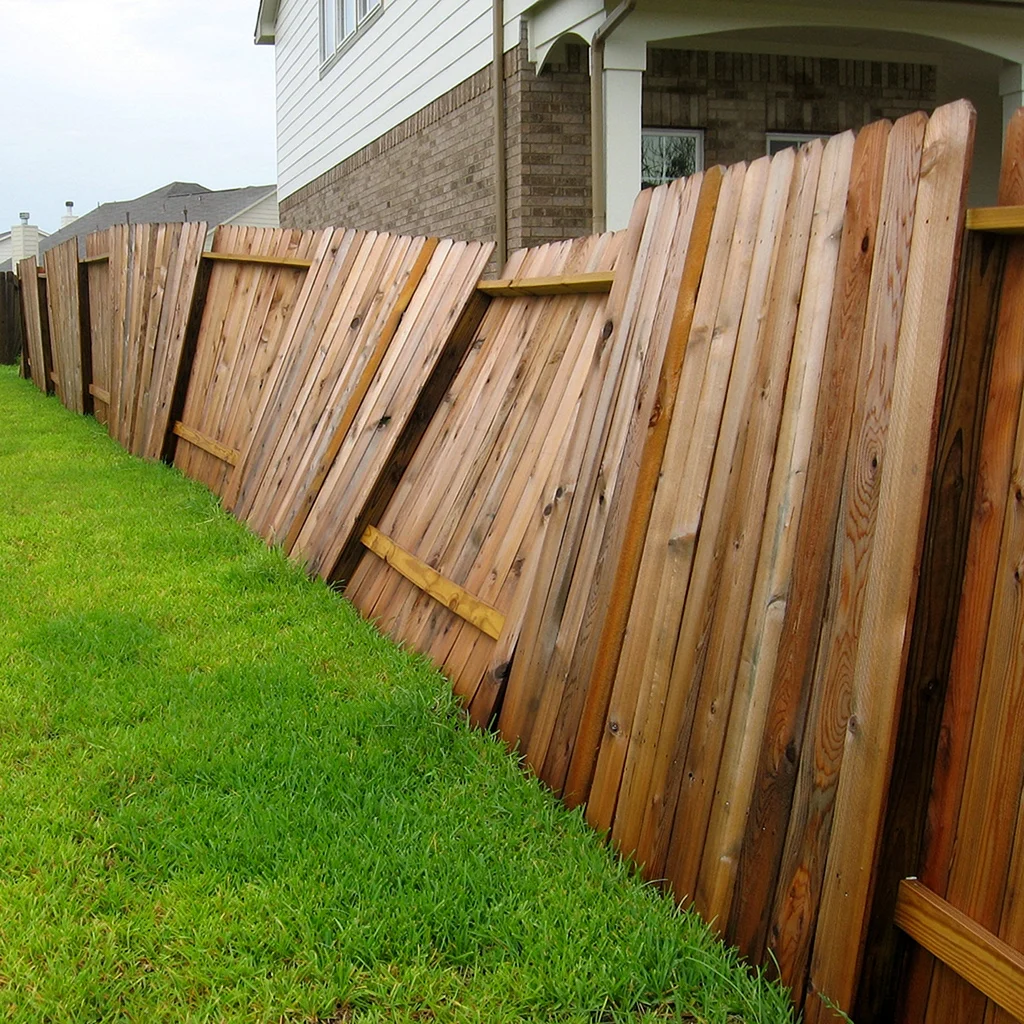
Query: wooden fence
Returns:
{"type": "Point", "coordinates": [11, 331]}
{"type": "Point", "coordinates": [684, 510]}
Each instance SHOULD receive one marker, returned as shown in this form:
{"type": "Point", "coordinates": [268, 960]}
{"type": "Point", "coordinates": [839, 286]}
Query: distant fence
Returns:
{"type": "Point", "coordinates": [11, 331]}
{"type": "Point", "coordinates": [683, 509]}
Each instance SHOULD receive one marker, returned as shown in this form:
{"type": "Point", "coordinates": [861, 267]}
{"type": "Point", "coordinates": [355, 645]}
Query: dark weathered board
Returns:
{"type": "Point", "coordinates": [99, 284]}
{"type": "Point", "coordinates": [11, 330]}
{"type": "Point", "coordinates": [65, 311]}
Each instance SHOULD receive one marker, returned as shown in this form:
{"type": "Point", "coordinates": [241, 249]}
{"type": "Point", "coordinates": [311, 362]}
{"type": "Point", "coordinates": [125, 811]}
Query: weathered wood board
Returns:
{"type": "Point", "coordinates": [247, 307]}
{"type": "Point", "coordinates": [370, 302]}
{"type": "Point", "coordinates": [37, 324]}
{"type": "Point", "coordinates": [65, 313]}
{"type": "Point", "coordinates": [154, 268]}
{"type": "Point", "coordinates": [495, 462]}
{"type": "Point", "coordinates": [100, 285]}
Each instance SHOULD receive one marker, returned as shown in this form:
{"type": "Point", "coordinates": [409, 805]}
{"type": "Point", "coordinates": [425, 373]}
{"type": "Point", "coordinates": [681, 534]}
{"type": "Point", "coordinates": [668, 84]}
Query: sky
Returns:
{"type": "Point", "coordinates": [106, 100]}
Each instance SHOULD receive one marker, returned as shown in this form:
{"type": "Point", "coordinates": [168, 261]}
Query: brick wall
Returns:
{"type": "Point", "coordinates": [431, 174]}
{"type": "Point", "coordinates": [548, 129]}
{"type": "Point", "coordinates": [736, 98]}
{"type": "Point", "coordinates": [434, 173]}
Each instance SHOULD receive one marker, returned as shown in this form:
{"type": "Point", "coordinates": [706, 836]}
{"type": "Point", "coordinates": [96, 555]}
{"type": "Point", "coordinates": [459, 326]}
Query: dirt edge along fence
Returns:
{"type": "Point", "coordinates": [683, 509]}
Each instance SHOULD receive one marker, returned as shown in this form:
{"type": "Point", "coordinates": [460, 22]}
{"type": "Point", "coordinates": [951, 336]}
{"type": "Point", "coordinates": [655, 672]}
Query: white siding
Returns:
{"type": "Point", "coordinates": [413, 52]}
{"type": "Point", "coordinates": [263, 214]}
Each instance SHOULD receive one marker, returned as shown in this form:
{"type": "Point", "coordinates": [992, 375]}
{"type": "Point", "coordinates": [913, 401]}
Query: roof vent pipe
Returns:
{"type": "Point", "coordinates": [598, 175]}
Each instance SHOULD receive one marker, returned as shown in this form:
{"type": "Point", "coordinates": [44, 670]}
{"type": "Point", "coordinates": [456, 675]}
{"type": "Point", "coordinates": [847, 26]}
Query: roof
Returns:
{"type": "Point", "coordinates": [173, 203]}
{"type": "Point", "coordinates": [266, 21]}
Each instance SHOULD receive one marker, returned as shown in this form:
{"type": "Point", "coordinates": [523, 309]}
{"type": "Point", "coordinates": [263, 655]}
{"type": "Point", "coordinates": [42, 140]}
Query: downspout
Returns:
{"type": "Point", "coordinates": [598, 185]}
{"type": "Point", "coordinates": [500, 160]}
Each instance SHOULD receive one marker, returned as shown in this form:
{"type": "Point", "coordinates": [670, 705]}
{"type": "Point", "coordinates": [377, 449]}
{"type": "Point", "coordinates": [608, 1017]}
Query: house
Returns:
{"type": "Point", "coordinates": [387, 117]}
{"type": "Point", "coordinates": [18, 242]}
{"type": "Point", "coordinates": [179, 201]}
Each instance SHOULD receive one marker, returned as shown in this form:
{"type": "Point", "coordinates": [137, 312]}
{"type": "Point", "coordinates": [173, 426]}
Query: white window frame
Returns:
{"type": "Point", "coordinates": [697, 134]}
{"type": "Point", "coordinates": [340, 22]}
{"type": "Point", "coordinates": [788, 139]}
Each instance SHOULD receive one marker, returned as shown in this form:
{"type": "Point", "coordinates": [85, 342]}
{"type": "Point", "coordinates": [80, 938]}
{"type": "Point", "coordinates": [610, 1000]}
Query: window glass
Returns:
{"type": "Point", "coordinates": [328, 27]}
{"type": "Point", "coordinates": [348, 17]}
{"type": "Point", "coordinates": [776, 142]}
{"type": "Point", "coordinates": [339, 19]}
{"type": "Point", "coordinates": [667, 154]}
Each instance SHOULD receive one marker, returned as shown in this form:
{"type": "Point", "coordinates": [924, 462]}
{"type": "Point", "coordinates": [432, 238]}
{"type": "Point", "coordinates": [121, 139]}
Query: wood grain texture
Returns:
{"type": "Point", "coordinates": [1007, 220]}
{"type": "Point", "coordinates": [651, 777]}
{"type": "Point", "coordinates": [63, 299]}
{"type": "Point", "coordinates": [780, 744]}
{"type": "Point", "coordinates": [246, 311]}
{"type": "Point", "coordinates": [976, 954]}
{"type": "Point", "coordinates": [891, 588]}
{"type": "Point", "coordinates": [36, 320]}
{"type": "Point", "coordinates": [942, 574]}
{"type": "Point", "coordinates": [709, 343]}
{"type": "Point", "coordinates": [97, 265]}
{"type": "Point", "coordinates": [614, 591]}
{"type": "Point", "coordinates": [564, 284]}
{"type": "Point", "coordinates": [455, 598]}
{"type": "Point", "coordinates": [730, 795]}
{"type": "Point", "coordinates": [932, 991]}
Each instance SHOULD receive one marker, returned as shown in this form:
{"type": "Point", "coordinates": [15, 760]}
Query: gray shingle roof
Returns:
{"type": "Point", "coordinates": [173, 203]}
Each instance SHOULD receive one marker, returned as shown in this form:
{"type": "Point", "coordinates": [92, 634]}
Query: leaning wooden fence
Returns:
{"type": "Point", "coordinates": [658, 502]}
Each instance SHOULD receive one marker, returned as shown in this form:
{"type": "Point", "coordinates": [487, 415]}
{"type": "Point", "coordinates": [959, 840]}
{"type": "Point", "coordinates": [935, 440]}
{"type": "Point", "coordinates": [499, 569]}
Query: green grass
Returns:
{"type": "Point", "coordinates": [224, 797]}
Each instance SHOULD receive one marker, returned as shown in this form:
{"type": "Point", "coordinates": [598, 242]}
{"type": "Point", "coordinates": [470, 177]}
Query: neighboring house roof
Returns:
{"type": "Point", "coordinates": [175, 202]}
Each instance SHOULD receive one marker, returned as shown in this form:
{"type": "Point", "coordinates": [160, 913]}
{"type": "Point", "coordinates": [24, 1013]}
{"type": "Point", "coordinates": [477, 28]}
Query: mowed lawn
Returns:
{"type": "Point", "coordinates": [224, 797]}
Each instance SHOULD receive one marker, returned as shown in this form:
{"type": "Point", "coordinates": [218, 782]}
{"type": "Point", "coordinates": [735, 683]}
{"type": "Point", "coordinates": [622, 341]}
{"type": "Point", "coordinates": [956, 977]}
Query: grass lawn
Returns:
{"type": "Point", "coordinates": [224, 797]}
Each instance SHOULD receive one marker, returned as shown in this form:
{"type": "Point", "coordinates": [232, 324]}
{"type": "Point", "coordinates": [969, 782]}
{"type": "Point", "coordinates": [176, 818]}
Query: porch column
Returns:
{"type": "Point", "coordinates": [625, 61]}
{"type": "Point", "coordinates": [622, 113]}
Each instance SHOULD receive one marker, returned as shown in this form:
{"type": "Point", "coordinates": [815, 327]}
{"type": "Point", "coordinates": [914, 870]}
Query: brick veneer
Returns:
{"type": "Point", "coordinates": [738, 97]}
{"type": "Point", "coordinates": [434, 173]}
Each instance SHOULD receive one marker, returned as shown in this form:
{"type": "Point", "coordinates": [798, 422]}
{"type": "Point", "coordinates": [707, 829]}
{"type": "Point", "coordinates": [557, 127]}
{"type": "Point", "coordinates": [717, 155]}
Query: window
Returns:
{"type": "Point", "coordinates": [670, 153]}
{"type": "Point", "coordinates": [339, 20]}
{"type": "Point", "coordinates": [776, 142]}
